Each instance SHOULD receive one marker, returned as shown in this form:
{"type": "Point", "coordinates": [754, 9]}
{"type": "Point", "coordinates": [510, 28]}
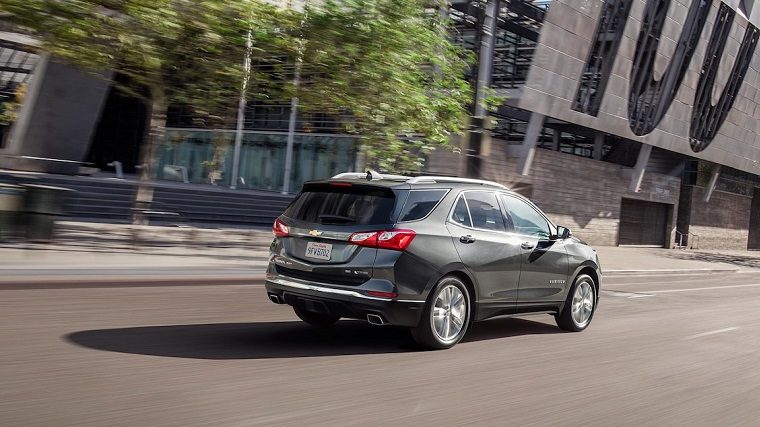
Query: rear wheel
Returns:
{"type": "Point", "coordinates": [580, 305]}
{"type": "Point", "coordinates": [319, 320]}
{"type": "Point", "coordinates": [446, 316]}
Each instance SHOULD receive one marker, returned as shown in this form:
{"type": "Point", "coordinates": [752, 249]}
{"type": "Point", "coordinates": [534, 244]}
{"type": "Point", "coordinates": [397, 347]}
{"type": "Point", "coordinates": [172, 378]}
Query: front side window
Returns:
{"type": "Point", "coordinates": [525, 218]}
{"type": "Point", "coordinates": [484, 210]}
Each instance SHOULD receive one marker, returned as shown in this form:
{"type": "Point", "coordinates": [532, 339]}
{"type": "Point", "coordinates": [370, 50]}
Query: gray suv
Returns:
{"type": "Point", "coordinates": [433, 254]}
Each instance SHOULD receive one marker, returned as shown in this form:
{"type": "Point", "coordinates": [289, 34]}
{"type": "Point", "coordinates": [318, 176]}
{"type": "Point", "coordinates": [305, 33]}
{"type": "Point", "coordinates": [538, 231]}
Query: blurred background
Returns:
{"type": "Point", "coordinates": [146, 147]}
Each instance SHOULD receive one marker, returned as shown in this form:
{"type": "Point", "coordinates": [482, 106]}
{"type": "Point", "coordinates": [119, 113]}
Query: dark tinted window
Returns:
{"type": "Point", "coordinates": [525, 218]}
{"type": "Point", "coordinates": [327, 204]}
{"type": "Point", "coordinates": [460, 214]}
{"type": "Point", "coordinates": [484, 210]}
{"type": "Point", "coordinates": [420, 203]}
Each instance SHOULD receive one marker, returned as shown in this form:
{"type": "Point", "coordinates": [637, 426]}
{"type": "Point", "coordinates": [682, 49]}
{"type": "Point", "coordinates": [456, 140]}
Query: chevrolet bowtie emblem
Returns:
{"type": "Point", "coordinates": [315, 233]}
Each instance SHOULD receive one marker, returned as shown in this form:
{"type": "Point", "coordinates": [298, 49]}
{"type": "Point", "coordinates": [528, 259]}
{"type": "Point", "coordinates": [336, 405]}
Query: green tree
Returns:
{"type": "Point", "coordinates": [386, 68]}
{"type": "Point", "coordinates": [389, 69]}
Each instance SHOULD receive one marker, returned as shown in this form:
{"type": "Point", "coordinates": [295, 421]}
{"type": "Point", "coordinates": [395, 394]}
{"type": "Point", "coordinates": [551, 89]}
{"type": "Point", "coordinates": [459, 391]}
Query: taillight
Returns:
{"type": "Point", "coordinates": [397, 240]}
{"type": "Point", "coordinates": [280, 229]}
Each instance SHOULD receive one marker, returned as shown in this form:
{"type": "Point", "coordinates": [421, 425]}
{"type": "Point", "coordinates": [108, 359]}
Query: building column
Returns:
{"type": "Point", "coordinates": [713, 181]}
{"type": "Point", "coordinates": [640, 168]}
{"type": "Point", "coordinates": [535, 124]}
{"type": "Point", "coordinates": [555, 140]}
{"type": "Point", "coordinates": [472, 152]}
{"type": "Point", "coordinates": [598, 145]}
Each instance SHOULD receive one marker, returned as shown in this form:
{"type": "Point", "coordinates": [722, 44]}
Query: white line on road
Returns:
{"type": "Point", "coordinates": [706, 334]}
{"type": "Point", "coordinates": [668, 291]}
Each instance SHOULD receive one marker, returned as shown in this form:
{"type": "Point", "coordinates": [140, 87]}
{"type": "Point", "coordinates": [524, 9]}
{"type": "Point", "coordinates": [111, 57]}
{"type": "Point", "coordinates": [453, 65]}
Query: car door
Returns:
{"type": "Point", "coordinates": [477, 227]}
{"type": "Point", "coordinates": [544, 268]}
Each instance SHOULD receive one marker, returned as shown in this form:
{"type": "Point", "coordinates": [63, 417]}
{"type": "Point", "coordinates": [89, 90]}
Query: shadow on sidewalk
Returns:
{"type": "Point", "coordinates": [268, 340]}
{"type": "Point", "coordinates": [734, 259]}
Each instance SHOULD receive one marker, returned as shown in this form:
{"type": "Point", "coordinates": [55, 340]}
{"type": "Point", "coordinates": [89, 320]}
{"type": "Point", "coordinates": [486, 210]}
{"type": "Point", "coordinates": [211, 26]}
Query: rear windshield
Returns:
{"type": "Point", "coordinates": [355, 205]}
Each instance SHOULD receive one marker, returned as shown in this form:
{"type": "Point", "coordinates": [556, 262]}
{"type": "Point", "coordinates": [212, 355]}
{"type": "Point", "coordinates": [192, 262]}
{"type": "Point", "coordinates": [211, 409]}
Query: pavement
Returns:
{"type": "Point", "coordinates": [661, 350]}
{"type": "Point", "coordinates": [83, 254]}
{"type": "Point", "coordinates": [174, 329]}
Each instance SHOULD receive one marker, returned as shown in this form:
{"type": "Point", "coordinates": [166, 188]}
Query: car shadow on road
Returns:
{"type": "Point", "coordinates": [272, 340]}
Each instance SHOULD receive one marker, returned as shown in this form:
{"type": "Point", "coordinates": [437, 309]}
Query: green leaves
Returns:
{"type": "Point", "coordinates": [385, 68]}
{"type": "Point", "coordinates": [391, 65]}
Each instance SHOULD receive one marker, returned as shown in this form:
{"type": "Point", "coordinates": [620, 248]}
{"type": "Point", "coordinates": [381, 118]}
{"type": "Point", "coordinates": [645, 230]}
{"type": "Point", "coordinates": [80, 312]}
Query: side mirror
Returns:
{"type": "Point", "coordinates": [563, 232]}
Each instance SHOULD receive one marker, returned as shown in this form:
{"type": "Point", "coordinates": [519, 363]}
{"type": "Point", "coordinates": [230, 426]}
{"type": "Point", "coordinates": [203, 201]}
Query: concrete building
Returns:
{"type": "Point", "coordinates": [629, 121]}
{"type": "Point", "coordinates": [633, 122]}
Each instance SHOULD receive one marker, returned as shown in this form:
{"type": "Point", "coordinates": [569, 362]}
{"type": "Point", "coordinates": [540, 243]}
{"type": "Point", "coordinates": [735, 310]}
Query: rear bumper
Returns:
{"type": "Point", "coordinates": [349, 303]}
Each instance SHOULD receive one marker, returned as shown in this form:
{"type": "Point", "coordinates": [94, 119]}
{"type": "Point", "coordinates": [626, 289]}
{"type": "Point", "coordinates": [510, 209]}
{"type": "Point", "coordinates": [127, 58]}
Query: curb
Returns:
{"type": "Point", "coordinates": [613, 273]}
{"type": "Point", "coordinates": [127, 282]}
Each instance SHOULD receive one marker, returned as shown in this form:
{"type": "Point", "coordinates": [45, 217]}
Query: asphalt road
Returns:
{"type": "Point", "coordinates": [678, 350]}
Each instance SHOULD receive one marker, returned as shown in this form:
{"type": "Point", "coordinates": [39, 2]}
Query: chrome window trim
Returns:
{"type": "Point", "coordinates": [451, 220]}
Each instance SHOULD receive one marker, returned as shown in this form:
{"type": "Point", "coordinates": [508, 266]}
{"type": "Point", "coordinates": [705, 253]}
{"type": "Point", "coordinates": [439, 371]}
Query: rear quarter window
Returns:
{"type": "Point", "coordinates": [420, 203]}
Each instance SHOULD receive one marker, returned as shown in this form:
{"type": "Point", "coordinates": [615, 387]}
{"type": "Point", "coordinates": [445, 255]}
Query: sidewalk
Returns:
{"type": "Point", "coordinates": [84, 252]}
{"type": "Point", "coordinates": [618, 261]}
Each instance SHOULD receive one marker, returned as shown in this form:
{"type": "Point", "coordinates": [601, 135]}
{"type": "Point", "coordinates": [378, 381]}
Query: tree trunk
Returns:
{"type": "Point", "coordinates": [148, 161]}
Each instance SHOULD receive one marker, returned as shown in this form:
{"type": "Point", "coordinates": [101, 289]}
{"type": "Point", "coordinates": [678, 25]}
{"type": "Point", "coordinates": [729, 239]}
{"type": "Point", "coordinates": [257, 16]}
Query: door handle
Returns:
{"type": "Point", "coordinates": [527, 245]}
{"type": "Point", "coordinates": [467, 239]}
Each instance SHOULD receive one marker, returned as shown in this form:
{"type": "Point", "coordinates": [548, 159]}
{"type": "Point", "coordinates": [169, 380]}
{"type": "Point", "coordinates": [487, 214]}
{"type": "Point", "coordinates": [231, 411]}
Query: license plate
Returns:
{"type": "Point", "coordinates": [318, 250]}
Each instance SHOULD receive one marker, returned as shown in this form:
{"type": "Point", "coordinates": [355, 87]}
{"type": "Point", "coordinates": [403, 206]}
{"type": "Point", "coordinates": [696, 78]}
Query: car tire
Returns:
{"type": "Point", "coordinates": [318, 320]}
{"type": "Point", "coordinates": [580, 305]}
{"type": "Point", "coordinates": [447, 307]}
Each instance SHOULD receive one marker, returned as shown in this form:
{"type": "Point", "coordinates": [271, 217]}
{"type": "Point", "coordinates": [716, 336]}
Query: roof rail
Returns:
{"type": "Point", "coordinates": [370, 175]}
{"type": "Point", "coordinates": [453, 179]}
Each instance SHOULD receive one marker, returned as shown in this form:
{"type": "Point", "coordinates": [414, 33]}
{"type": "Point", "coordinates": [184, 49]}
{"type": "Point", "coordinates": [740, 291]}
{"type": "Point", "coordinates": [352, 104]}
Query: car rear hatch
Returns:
{"type": "Point", "coordinates": [320, 224]}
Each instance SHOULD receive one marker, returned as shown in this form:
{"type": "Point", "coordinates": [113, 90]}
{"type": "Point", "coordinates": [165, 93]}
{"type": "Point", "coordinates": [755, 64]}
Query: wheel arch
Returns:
{"type": "Point", "coordinates": [592, 270]}
{"type": "Point", "coordinates": [459, 271]}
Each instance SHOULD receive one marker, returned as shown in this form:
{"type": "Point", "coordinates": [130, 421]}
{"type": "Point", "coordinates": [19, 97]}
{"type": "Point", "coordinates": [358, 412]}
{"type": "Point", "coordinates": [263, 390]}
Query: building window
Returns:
{"type": "Point", "coordinates": [706, 118]}
{"type": "Point", "coordinates": [649, 99]}
{"type": "Point", "coordinates": [601, 57]}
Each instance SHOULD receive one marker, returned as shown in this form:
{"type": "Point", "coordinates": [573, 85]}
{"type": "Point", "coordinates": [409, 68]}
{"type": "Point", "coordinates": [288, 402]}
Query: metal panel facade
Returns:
{"type": "Point", "coordinates": [569, 35]}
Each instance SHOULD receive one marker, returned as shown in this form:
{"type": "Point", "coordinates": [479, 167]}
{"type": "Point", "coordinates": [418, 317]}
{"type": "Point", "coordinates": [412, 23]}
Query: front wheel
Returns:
{"type": "Point", "coordinates": [315, 319]}
{"type": "Point", "coordinates": [580, 305]}
{"type": "Point", "coordinates": [446, 316]}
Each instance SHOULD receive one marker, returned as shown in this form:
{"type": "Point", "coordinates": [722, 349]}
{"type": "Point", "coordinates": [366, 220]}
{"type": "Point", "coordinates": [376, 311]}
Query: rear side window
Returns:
{"type": "Point", "coordinates": [355, 205]}
{"type": "Point", "coordinates": [420, 203]}
{"type": "Point", "coordinates": [485, 211]}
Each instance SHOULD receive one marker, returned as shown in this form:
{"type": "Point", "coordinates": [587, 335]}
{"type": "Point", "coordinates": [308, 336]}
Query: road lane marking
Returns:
{"type": "Point", "coordinates": [668, 291]}
{"type": "Point", "coordinates": [614, 293]}
{"type": "Point", "coordinates": [715, 332]}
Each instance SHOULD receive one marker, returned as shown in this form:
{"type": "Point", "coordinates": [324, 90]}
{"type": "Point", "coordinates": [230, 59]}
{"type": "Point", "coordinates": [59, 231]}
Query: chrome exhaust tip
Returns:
{"type": "Point", "coordinates": [374, 319]}
{"type": "Point", "coordinates": [275, 299]}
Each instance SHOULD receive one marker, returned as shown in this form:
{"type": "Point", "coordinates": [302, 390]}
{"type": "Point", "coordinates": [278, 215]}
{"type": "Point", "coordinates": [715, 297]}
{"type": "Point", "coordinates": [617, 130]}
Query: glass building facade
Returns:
{"type": "Point", "coordinates": [206, 156]}
{"type": "Point", "coordinates": [17, 63]}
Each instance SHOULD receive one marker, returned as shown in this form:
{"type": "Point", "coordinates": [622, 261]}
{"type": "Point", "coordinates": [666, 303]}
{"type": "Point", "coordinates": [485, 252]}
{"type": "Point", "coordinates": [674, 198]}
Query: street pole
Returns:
{"type": "Point", "coordinates": [293, 112]}
{"type": "Point", "coordinates": [291, 131]}
{"type": "Point", "coordinates": [241, 113]}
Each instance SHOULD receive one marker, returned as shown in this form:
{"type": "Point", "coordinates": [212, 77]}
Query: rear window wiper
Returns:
{"type": "Point", "coordinates": [339, 219]}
